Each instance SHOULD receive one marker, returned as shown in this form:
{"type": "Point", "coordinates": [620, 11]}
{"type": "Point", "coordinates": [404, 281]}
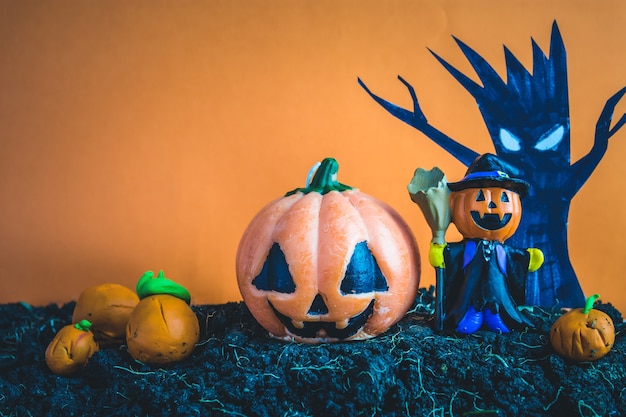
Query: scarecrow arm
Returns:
{"type": "Point", "coordinates": [417, 119]}
{"type": "Point", "coordinates": [435, 255]}
{"type": "Point", "coordinates": [536, 259]}
{"type": "Point", "coordinates": [582, 169]}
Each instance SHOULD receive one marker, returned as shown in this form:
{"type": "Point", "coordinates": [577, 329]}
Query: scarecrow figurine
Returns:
{"type": "Point", "coordinates": [484, 280]}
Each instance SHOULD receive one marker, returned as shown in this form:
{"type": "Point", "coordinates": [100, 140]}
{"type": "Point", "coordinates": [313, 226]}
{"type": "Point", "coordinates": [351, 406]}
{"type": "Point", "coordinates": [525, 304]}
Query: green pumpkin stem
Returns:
{"type": "Point", "coordinates": [83, 325]}
{"type": "Point", "coordinates": [324, 180]}
{"type": "Point", "coordinates": [148, 285]}
{"type": "Point", "coordinates": [590, 302]}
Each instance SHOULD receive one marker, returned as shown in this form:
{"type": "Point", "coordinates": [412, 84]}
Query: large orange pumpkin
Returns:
{"type": "Point", "coordinates": [490, 213]}
{"type": "Point", "coordinates": [327, 263]}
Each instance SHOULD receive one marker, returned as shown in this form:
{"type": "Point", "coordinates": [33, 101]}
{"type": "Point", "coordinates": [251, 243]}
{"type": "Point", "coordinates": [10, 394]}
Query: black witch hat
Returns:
{"type": "Point", "coordinates": [490, 171]}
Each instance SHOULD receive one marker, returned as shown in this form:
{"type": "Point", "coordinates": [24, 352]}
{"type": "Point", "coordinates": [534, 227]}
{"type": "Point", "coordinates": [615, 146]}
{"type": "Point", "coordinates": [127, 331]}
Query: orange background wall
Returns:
{"type": "Point", "coordinates": [145, 135]}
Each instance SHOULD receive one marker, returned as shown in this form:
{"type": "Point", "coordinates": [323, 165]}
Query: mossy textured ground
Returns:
{"type": "Point", "coordinates": [237, 370]}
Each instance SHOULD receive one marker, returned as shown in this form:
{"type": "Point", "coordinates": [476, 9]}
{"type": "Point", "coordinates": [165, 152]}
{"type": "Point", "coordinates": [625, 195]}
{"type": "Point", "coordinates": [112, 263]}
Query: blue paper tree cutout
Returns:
{"type": "Point", "coordinates": [527, 117]}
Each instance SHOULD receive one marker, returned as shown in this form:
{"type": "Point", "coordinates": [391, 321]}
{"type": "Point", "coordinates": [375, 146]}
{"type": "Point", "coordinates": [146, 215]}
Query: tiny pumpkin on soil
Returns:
{"type": "Point", "coordinates": [107, 307]}
{"type": "Point", "coordinates": [583, 334]}
{"type": "Point", "coordinates": [162, 328]}
{"type": "Point", "coordinates": [71, 349]}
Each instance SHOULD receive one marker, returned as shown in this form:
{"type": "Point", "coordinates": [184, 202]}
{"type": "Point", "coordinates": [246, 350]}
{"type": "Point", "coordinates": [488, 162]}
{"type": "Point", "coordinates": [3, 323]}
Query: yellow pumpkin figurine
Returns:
{"type": "Point", "coordinates": [162, 328]}
{"type": "Point", "coordinates": [583, 334]}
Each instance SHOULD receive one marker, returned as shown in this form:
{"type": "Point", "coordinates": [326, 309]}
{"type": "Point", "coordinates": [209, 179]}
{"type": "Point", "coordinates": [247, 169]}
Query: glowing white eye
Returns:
{"type": "Point", "coordinates": [551, 139]}
{"type": "Point", "coordinates": [510, 141]}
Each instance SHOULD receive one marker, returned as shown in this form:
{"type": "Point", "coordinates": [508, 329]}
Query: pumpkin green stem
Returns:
{"type": "Point", "coordinates": [589, 303]}
{"type": "Point", "coordinates": [324, 180]}
{"type": "Point", "coordinates": [83, 325]}
{"type": "Point", "coordinates": [148, 285]}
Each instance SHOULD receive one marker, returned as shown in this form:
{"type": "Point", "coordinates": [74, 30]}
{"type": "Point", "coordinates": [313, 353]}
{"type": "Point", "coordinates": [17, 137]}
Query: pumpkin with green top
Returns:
{"type": "Point", "coordinates": [327, 263]}
{"type": "Point", "coordinates": [71, 349]}
{"type": "Point", "coordinates": [162, 328]}
{"type": "Point", "coordinates": [583, 334]}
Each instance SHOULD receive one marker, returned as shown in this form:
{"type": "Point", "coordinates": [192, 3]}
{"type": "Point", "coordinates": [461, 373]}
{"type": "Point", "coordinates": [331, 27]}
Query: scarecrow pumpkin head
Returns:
{"type": "Point", "coordinates": [327, 263]}
{"type": "Point", "coordinates": [486, 203]}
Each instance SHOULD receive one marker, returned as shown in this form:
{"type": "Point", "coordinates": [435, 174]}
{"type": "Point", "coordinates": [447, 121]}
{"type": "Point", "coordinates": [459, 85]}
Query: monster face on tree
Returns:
{"type": "Point", "coordinates": [527, 116]}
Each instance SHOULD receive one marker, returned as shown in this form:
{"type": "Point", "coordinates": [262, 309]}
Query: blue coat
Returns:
{"type": "Point", "coordinates": [484, 274]}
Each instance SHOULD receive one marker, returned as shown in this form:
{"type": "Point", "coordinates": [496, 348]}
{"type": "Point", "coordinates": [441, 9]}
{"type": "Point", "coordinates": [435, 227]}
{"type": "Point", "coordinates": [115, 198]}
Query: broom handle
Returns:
{"type": "Point", "coordinates": [439, 299]}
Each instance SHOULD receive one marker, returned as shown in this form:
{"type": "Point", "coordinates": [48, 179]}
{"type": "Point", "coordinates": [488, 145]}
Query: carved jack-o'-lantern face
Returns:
{"type": "Point", "coordinates": [490, 213]}
{"type": "Point", "coordinates": [327, 263]}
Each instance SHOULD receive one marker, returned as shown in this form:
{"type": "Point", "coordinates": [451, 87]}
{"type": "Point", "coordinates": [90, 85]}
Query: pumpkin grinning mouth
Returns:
{"type": "Point", "coordinates": [490, 221]}
{"type": "Point", "coordinates": [325, 329]}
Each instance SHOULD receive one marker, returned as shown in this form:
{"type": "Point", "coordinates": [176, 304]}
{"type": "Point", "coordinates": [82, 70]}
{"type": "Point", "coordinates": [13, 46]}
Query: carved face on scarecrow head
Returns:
{"type": "Point", "coordinates": [486, 203]}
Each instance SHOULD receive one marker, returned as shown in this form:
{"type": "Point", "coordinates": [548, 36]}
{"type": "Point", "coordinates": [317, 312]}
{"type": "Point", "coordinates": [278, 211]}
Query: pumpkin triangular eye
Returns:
{"type": "Point", "coordinates": [363, 275]}
{"type": "Point", "coordinates": [275, 275]}
{"type": "Point", "coordinates": [480, 196]}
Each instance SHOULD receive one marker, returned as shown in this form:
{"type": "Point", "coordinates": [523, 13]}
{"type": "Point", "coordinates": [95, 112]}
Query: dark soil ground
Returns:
{"type": "Point", "coordinates": [237, 370]}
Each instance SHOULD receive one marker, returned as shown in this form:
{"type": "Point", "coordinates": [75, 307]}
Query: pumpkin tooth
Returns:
{"type": "Point", "coordinates": [298, 324]}
{"type": "Point", "coordinates": [342, 324]}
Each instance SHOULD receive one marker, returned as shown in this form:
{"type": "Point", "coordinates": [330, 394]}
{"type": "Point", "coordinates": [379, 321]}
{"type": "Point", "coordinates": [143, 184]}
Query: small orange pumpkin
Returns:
{"type": "Point", "coordinates": [162, 328]}
{"type": "Point", "coordinates": [107, 307]}
{"type": "Point", "coordinates": [490, 213]}
{"type": "Point", "coordinates": [327, 263]}
{"type": "Point", "coordinates": [71, 349]}
{"type": "Point", "coordinates": [583, 334]}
